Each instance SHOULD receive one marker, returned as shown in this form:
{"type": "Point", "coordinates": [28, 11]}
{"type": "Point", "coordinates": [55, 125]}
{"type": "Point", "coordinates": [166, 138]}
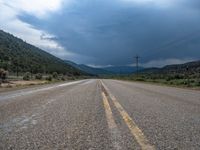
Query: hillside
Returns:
{"type": "Point", "coordinates": [122, 70]}
{"type": "Point", "coordinates": [191, 68]}
{"type": "Point", "coordinates": [19, 56]}
{"type": "Point", "coordinates": [184, 75]}
{"type": "Point", "coordinates": [88, 69]}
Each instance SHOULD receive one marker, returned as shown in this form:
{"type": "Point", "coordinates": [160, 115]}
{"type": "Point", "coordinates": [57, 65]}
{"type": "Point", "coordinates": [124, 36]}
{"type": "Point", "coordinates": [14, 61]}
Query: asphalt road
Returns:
{"type": "Point", "coordinates": [102, 115]}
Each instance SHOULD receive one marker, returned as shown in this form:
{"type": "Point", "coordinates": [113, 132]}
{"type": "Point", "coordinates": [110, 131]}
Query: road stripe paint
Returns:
{"type": "Point", "coordinates": [135, 130]}
{"type": "Point", "coordinates": [109, 115]}
{"type": "Point", "coordinates": [24, 93]}
{"type": "Point", "coordinates": [88, 82]}
{"type": "Point", "coordinates": [115, 134]}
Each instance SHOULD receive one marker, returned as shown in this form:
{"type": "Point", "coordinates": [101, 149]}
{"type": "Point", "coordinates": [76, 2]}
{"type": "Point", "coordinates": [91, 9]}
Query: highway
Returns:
{"type": "Point", "coordinates": [98, 114]}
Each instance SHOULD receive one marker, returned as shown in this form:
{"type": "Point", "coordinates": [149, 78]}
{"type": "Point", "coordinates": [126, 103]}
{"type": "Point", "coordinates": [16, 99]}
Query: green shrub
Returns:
{"type": "Point", "coordinates": [197, 83]}
{"type": "Point", "coordinates": [49, 78]}
{"type": "Point", "coordinates": [168, 79]}
{"type": "Point", "coordinates": [63, 78]}
{"type": "Point", "coordinates": [27, 76]}
{"type": "Point", "coordinates": [178, 76]}
{"type": "Point", "coordinates": [140, 79]}
{"type": "Point", "coordinates": [38, 76]}
{"type": "Point", "coordinates": [3, 75]}
{"type": "Point", "coordinates": [192, 81]}
{"type": "Point", "coordinates": [55, 75]}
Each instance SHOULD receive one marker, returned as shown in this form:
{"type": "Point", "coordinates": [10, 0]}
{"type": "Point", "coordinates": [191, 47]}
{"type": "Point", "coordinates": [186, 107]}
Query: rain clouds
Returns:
{"type": "Point", "coordinates": [102, 32]}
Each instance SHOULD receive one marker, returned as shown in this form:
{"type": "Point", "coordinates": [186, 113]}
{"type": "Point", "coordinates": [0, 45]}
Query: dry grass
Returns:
{"type": "Point", "coordinates": [20, 83]}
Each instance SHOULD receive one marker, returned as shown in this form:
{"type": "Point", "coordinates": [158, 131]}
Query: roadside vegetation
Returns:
{"type": "Point", "coordinates": [181, 80]}
{"type": "Point", "coordinates": [181, 75]}
{"type": "Point", "coordinates": [25, 64]}
{"type": "Point", "coordinates": [26, 79]}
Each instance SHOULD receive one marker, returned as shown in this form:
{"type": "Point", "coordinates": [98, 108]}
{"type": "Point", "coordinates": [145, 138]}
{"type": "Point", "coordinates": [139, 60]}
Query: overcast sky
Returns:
{"type": "Point", "coordinates": [108, 32]}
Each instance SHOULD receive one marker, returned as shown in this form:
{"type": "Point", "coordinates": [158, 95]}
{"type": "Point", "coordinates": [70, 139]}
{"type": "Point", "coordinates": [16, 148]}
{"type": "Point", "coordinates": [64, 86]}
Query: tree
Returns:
{"type": "Point", "coordinates": [27, 76]}
{"type": "Point", "coordinates": [49, 78]}
{"type": "Point", "coordinates": [55, 75]}
{"type": "Point", "coordinates": [38, 76]}
{"type": "Point", "coordinates": [3, 75]}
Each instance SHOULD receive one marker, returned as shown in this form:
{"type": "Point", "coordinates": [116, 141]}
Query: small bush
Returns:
{"type": "Point", "coordinates": [198, 83]}
{"type": "Point", "coordinates": [63, 78]}
{"type": "Point", "coordinates": [185, 82]}
{"type": "Point", "coordinates": [168, 79]}
{"type": "Point", "coordinates": [140, 79]}
{"type": "Point", "coordinates": [27, 76]}
{"type": "Point", "coordinates": [38, 76]}
{"type": "Point", "coordinates": [55, 75]}
{"type": "Point", "coordinates": [3, 75]}
{"type": "Point", "coordinates": [49, 78]}
{"type": "Point", "coordinates": [177, 76]}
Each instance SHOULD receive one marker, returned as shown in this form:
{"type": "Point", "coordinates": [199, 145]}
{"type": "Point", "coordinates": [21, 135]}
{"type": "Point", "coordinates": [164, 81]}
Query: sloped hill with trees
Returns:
{"type": "Point", "coordinates": [190, 68]}
{"type": "Point", "coordinates": [19, 56]}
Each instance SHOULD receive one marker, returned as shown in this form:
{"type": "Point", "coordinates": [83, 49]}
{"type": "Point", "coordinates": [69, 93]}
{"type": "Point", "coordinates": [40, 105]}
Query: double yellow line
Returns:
{"type": "Point", "coordinates": [134, 129]}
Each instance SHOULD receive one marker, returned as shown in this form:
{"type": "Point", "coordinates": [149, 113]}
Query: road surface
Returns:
{"type": "Point", "coordinates": [100, 114]}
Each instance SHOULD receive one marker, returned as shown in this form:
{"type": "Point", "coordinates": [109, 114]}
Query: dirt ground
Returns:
{"type": "Point", "coordinates": [15, 84]}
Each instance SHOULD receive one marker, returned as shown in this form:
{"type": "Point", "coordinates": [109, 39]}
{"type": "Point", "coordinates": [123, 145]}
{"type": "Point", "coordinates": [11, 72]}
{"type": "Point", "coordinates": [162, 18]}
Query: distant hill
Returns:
{"type": "Point", "coordinates": [89, 70]}
{"type": "Point", "coordinates": [122, 69]}
{"type": "Point", "coordinates": [190, 68]}
{"type": "Point", "coordinates": [113, 70]}
{"type": "Point", "coordinates": [149, 70]}
{"type": "Point", "coordinates": [183, 75]}
{"type": "Point", "coordinates": [17, 55]}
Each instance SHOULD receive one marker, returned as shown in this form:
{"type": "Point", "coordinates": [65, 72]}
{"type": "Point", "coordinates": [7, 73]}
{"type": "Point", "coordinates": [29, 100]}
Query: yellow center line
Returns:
{"type": "Point", "coordinates": [109, 115]}
{"type": "Point", "coordinates": [113, 129]}
{"type": "Point", "coordinates": [135, 130]}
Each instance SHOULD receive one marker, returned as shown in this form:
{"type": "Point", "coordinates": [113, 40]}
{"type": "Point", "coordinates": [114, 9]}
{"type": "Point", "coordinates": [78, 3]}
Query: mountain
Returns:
{"type": "Point", "coordinates": [190, 68]}
{"type": "Point", "coordinates": [88, 69]}
{"type": "Point", "coordinates": [122, 69]}
{"type": "Point", "coordinates": [96, 71]}
{"type": "Point", "coordinates": [193, 68]}
{"type": "Point", "coordinates": [149, 70]}
{"type": "Point", "coordinates": [19, 56]}
{"type": "Point", "coordinates": [113, 70]}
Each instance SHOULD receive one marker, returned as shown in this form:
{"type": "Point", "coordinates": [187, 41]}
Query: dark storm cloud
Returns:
{"type": "Point", "coordinates": [113, 32]}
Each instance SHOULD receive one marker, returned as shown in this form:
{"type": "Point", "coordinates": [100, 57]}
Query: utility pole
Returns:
{"type": "Point", "coordinates": [137, 63]}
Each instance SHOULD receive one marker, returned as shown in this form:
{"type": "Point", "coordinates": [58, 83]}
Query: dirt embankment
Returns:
{"type": "Point", "coordinates": [22, 83]}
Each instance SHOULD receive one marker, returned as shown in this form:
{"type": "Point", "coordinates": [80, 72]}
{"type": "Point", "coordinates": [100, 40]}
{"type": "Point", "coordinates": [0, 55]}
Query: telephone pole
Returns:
{"type": "Point", "coordinates": [137, 63]}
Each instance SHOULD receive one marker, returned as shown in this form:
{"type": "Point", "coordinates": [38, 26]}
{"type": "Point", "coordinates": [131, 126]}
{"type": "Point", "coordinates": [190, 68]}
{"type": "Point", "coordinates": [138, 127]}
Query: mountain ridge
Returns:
{"type": "Point", "coordinates": [192, 67]}
{"type": "Point", "coordinates": [19, 56]}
